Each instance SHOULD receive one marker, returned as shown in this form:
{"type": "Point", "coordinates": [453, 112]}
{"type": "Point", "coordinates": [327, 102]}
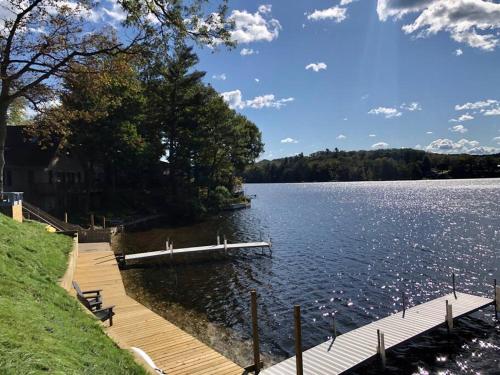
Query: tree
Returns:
{"type": "Point", "coordinates": [204, 142]}
{"type": "Point", "coordinates": [40, 40]}
{"type": "Point", "coordinates": [174, 97]}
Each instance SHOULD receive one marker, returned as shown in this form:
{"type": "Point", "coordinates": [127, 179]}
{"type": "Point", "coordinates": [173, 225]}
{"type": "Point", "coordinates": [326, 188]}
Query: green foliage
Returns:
{"type": "Point", "coordinates": [43, 330]}
{"type": "Point", "coordinates": [220, 197]}
{"type": "Point", "coordinates": [154, 125]}
{"type": "Point", "coordinates": [205, 142]}
{"type": "Point", "coordinates": [394, 164]}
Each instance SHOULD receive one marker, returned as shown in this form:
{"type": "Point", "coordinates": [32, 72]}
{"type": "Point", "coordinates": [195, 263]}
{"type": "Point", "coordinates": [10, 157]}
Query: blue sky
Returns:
{"type": "Point", "coordinates": [386, 73]}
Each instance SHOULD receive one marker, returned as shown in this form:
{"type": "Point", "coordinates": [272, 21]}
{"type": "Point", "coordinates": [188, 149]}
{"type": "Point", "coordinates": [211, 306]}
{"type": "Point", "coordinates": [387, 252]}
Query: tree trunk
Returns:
{"type": "Point", "coordinates": [4, 108]}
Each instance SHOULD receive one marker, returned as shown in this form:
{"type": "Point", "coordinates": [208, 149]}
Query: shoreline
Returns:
{"type": "Point", "coordinates": [224, 340]}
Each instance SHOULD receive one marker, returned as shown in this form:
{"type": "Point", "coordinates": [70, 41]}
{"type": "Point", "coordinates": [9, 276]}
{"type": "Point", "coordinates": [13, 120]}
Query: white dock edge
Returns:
{"type": "Point", "coordinates": [199, 249]}
{"type": "Point", "coordinates": [357, 346]}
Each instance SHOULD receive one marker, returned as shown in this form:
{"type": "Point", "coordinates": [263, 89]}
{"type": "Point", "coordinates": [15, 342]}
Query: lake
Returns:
{"type": "Point", "coordinates": [349, 249]}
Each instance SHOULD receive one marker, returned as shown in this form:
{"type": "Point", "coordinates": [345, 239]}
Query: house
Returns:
{"type": "Point", "coordinates": [49, 178]}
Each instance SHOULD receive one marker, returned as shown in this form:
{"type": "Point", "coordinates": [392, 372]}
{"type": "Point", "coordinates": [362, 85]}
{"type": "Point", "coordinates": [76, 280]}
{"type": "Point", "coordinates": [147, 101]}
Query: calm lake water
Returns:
{"type": "Point", "coordinates": [345, 248]}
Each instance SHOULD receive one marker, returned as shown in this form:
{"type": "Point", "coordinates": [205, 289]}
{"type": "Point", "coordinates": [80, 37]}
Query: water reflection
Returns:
{"type": "Point", "coordinates": [349, 249]}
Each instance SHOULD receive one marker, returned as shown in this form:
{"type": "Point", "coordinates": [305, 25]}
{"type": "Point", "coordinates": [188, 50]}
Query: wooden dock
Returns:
{"type": "Point", "coordinates": [347, 351]}
{"type": "Point", "coordinates": [200, 249]}
{"type": "Point", "coordinates": [173, 350]}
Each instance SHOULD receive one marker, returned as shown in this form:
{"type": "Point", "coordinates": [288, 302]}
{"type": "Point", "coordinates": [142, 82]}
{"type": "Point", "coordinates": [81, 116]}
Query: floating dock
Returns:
{"type": "Point", "coordinates": [354, 348]}
{"type": "Point", "coordinates": [192, 250]}
{"type": "Point", "coordinates": [173, 350]}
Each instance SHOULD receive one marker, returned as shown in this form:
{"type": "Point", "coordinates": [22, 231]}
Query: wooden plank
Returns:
{"type": "Point", "coordinates": [356, 347]}
{"type": "Point", "coordinates": [174, 350]}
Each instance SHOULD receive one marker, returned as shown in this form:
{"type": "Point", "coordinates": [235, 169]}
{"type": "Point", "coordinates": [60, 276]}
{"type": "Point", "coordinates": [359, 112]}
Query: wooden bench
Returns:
{"type": "Point", "coordinates": [92, 300]}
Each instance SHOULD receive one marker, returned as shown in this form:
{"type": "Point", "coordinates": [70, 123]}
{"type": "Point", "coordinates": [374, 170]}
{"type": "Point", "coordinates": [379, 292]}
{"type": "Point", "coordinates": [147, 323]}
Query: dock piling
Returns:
{"type": "Point", "coordinates": [104, 222]}
{"type": "Point", "coordinates": [497, 298]}
{"type": "Point", "coordinates": [334, 327]}
{"type": "Point", "coordinates": [453, 279]}
{"type": "Point", "coordinates": [298, 341]}
{"type": "Point", "coordinates": [404, 304]}
{"type": "Point", "coordinates": [449, 315]}
{"type": "Point", "coordinates": [225, 244]}
{"type": "Point", "coordinates": [255, 332]}
{"type": "Point", "coordinates": [381, 347]}
{"type": "Point", "coordinates": [92, 221]}
{"type": "Point", "coordinates": [65, 217]}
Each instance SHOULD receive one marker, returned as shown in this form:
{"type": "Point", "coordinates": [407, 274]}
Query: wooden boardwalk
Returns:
{"type": "Point", "coordinates": [199, 249]}
{"type": "Point", "coordinates": [358, 346]}
{"type": "Point", "coordinates": [172, 350]}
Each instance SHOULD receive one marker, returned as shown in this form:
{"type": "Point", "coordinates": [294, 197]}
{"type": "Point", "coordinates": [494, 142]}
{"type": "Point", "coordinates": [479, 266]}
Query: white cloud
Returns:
{"type": "Point", "coordinates": [497, 139]}
{"type": "Point", "coordinates": [488, 107]}
{"type": "Point", "coordinates": [346, 2]}
{"type": "Point", "coordinates": [265, 8]}
{"type": "Point", "coordinates": [492, 112]}
{"type": "Point", "coordinates": [462, 118]}
{"type": "Point", "coordinates": [380, 145]}
{"type": "Point", "coordinates": [248, 52]}
{"type": "Point", "coordinates": [473, 22]}
{"type": "Point", "coordinates": [253, 27]}
{"type": "Point", "coordinates": [221, 77]}
{"type": "Point", "coordinates": [289, 140]}
{"type": "Point", "coordinates": [463, 146]}
{"type": "Point", "coordinates": [458, 52]}
{"type": "Point", "coordinates": [429, 132]}
{"type": "Point", "coordinates": [267, 101]}
{"type": "Point", "coordinates": [418, 147]}
{"type": "Point", "coordinates": [235, 101]}
{"type": "Point", "coordinates": [372, 135]}
{"type": "Point", "coordinates": [459, 129]}
{"type": "Point", "coordinates": [341, 136]}
{"type": "Point", "coordinates": [257, 80]}
{"type": "Point", "coordinates": [413, 106]}
{"type": "Point", "coordinates": [334, 13]}
{"type": "Point", "coordinates": [482, 104]}
{"type": "Point", "coordinates": [386, 112]}
{"type": "Point", "coordinates": [116, 13]}
{"type": "Point", "coordinates": [317, 67]}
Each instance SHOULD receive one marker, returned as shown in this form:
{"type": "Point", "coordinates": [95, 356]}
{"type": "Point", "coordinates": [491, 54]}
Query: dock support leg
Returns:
{"type": "Point", "coordinates": [404, 304]}
{"type": "Point", "coordinates": [334, 328]}
{"type": "Point", "coordinates": [255, 332]}
{"type": "Point", "coordinates": [381, 347]}
{"type": "Point", "coordinates": [225, 245]}
{"type": "Point", "coordinates": [497, 299]}
{"type": "Point", "coordinates": [65, 217]}
{"type": "Point", "coordinates": [454, 291]}
{"type": "Point", "coordinates": [122, 262]}
{"type": "Point", "coordinates": [449, 315]}
{"type": "Point", "coordinates": [298, 342]}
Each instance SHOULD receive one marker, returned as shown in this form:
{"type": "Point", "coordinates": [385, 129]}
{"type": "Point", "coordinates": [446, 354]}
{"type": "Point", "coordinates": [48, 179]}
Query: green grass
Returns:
{"type": "Point", "coordinates": [43, 330]}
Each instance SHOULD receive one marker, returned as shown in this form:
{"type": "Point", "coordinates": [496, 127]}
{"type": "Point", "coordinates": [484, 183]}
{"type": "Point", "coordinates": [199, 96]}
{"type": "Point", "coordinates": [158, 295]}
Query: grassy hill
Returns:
{"type": "Point", "coordinates": [43, 330]}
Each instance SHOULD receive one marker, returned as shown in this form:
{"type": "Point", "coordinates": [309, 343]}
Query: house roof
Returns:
{"type": "Point", "coordinates": [24, 151]}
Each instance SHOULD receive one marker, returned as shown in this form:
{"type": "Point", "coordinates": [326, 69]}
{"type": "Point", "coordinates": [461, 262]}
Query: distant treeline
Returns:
{"type": "Point", "coordinates": [391, 164]}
